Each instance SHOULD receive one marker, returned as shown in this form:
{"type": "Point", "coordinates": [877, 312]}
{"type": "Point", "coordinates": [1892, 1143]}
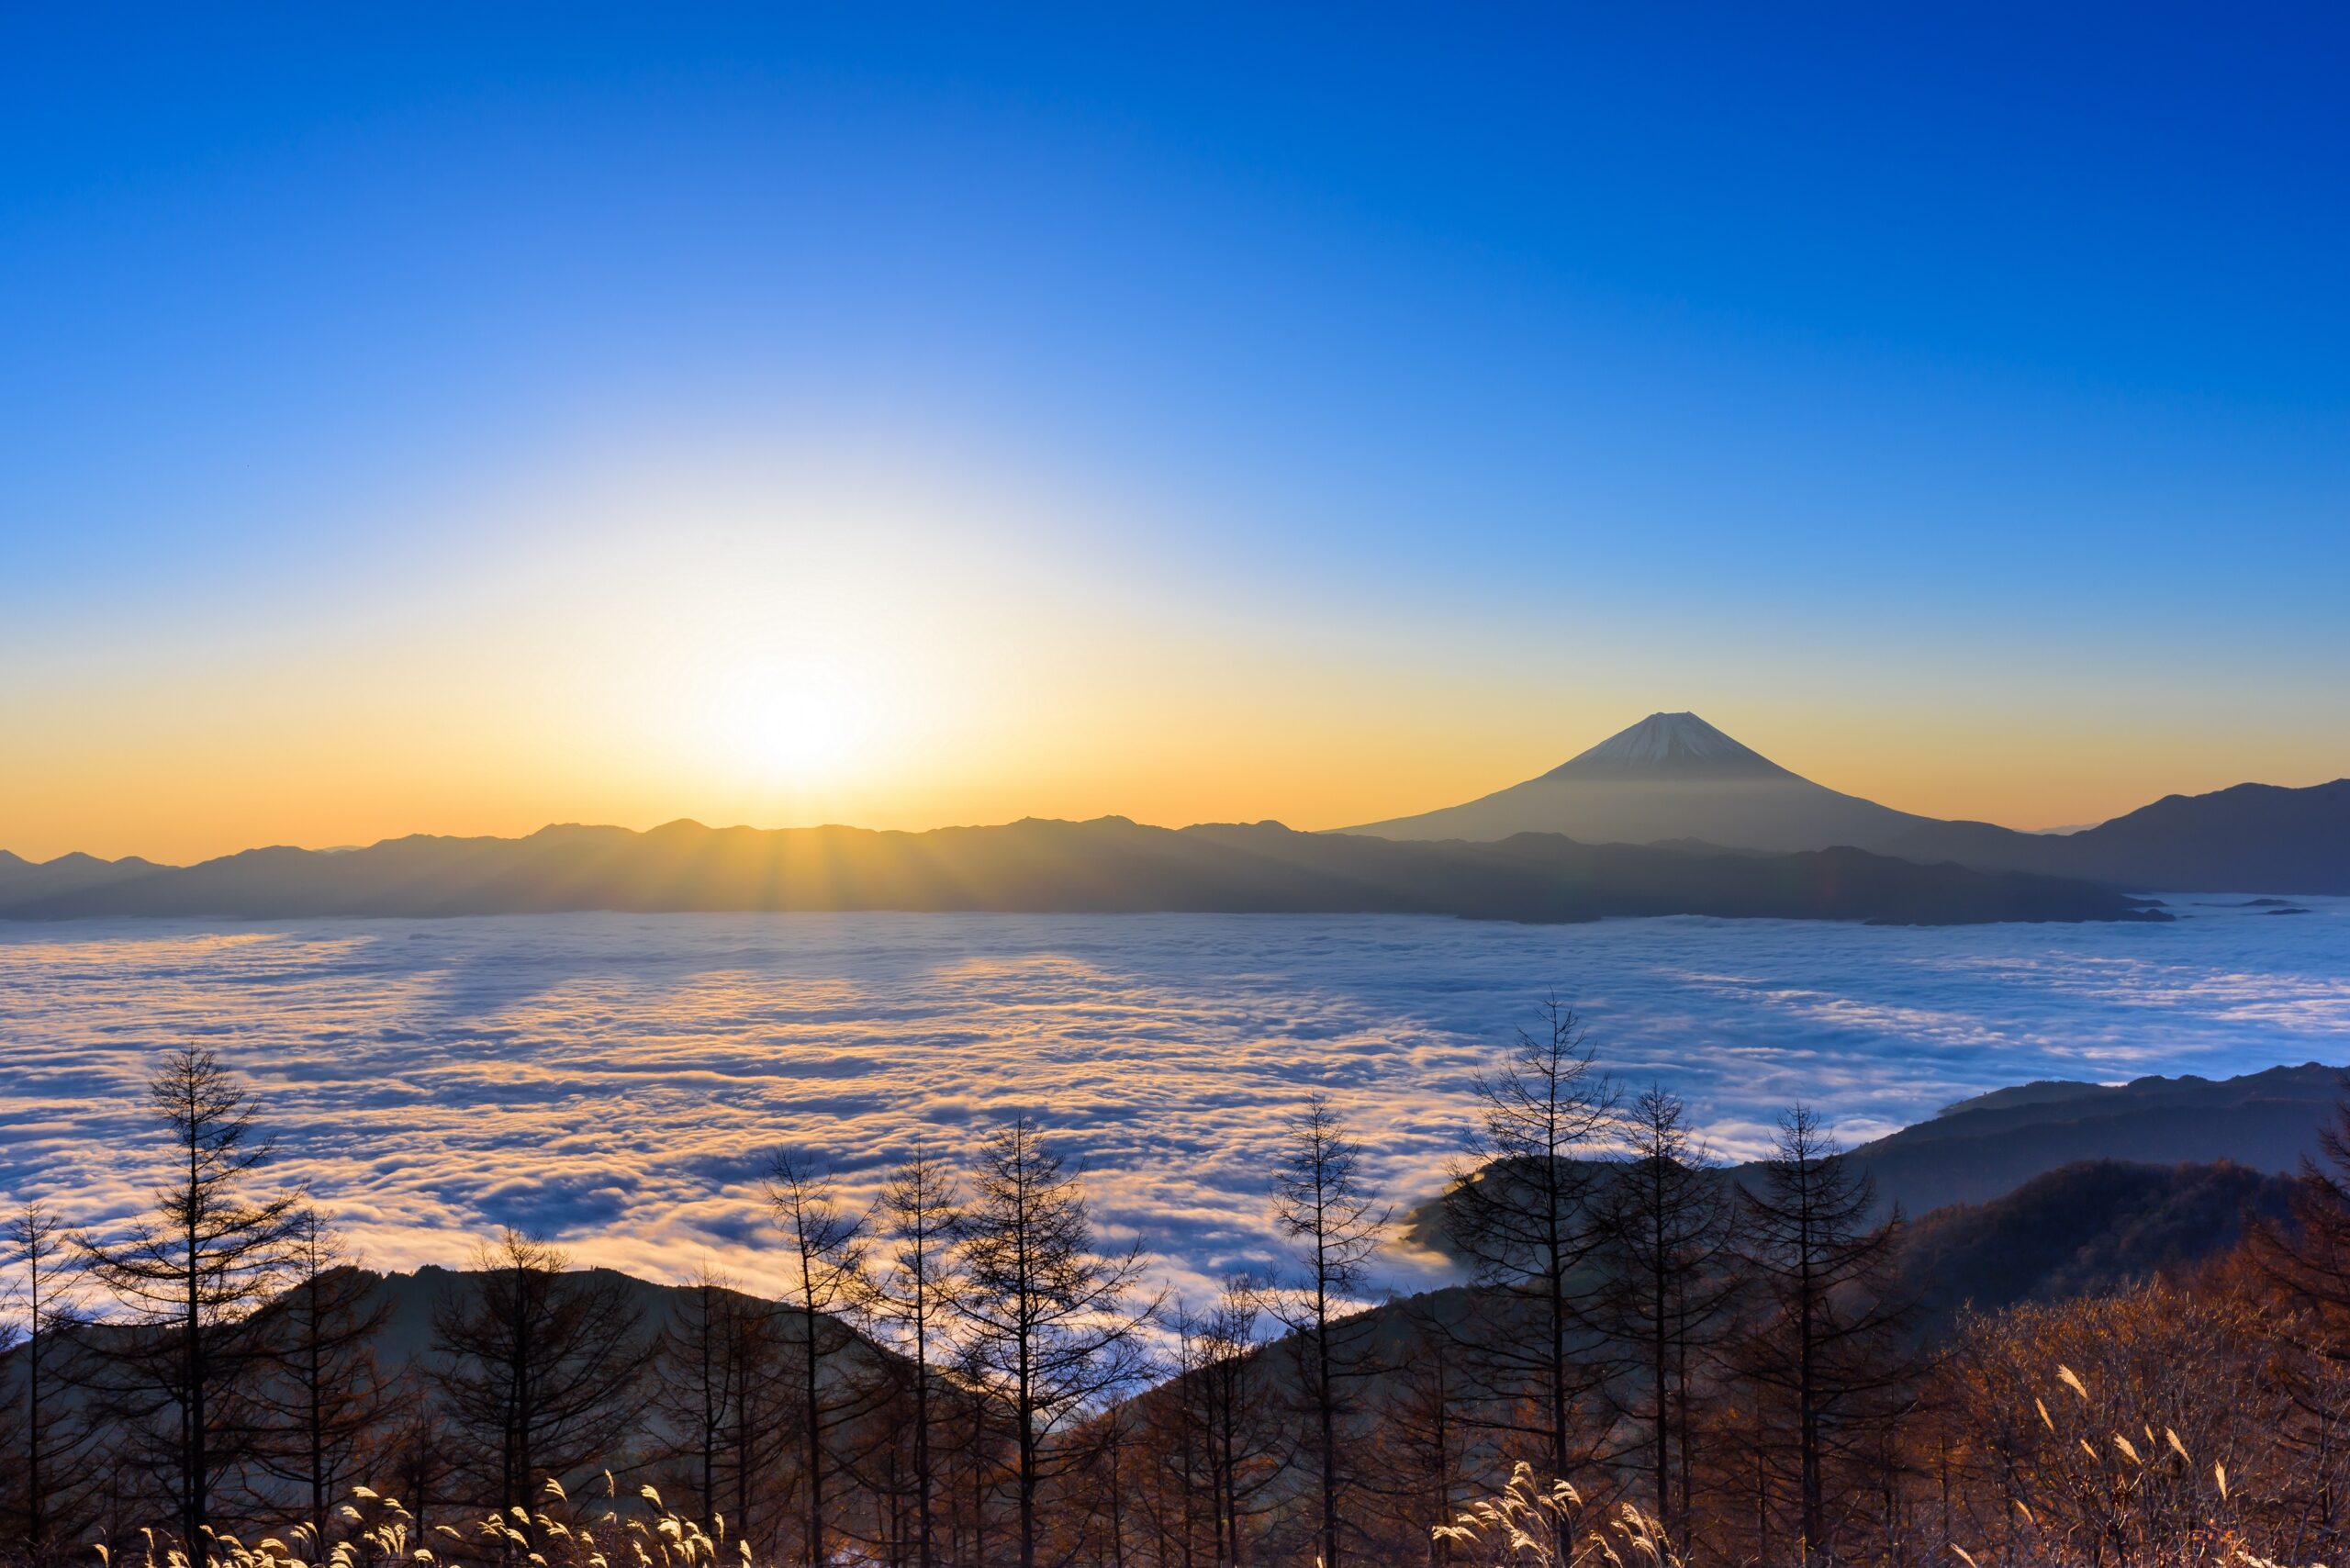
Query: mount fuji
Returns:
{"type": "Point", "coordinates": [1671, 775]}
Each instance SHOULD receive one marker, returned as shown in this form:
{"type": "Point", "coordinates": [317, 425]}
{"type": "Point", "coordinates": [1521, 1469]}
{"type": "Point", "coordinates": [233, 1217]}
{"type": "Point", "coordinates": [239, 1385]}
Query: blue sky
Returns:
{"type": "Point", "coordinates": [1816, 370]}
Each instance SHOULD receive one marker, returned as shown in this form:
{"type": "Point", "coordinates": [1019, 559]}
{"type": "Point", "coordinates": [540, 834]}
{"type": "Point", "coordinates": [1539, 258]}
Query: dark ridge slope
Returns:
{"type": "Point", "coordinates": [2251, 838]}
{"type": "Point", "coordinates": [2085, 1229]}
{"type": "Point", "coordinates": [22, 879]}
{"type": "Point", "coordinates": [1978, 1149]}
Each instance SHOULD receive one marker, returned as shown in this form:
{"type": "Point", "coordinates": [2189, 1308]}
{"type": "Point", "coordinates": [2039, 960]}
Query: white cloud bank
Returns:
{"type": "Point", "coordinates": [618, 1081]}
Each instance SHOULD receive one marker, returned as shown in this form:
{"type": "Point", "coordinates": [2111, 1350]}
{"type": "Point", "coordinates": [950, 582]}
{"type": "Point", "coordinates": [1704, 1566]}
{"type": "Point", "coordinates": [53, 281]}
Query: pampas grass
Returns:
{"type": "Point", "coordinates": [1523, 1521]}
{"type": "Point", "coordinates": [383, 1533]}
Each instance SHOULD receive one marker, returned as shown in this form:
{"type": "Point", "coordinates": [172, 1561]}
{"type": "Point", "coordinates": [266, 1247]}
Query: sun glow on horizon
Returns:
{"type": "Point", "coordinates": [819, 644]}
{"type": "Point", "coordinates": [802, 732]}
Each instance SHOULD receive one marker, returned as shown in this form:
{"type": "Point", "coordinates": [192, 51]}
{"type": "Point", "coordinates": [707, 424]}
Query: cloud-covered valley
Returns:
{"type": "Point", "coordinates": [620, 1082]}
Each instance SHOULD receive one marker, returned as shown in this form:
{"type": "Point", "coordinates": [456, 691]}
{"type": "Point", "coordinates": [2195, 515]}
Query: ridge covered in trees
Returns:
{"type": "Point", "coordinates": [1648, 1357]}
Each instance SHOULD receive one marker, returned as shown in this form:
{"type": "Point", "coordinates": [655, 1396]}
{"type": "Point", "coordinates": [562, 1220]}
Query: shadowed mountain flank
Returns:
{"type": "Point", "coordinates": [1671, 775]}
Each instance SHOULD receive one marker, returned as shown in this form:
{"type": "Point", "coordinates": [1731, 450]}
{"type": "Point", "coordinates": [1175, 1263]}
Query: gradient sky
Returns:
{"type": "Point", "coordinates": [429, 420]}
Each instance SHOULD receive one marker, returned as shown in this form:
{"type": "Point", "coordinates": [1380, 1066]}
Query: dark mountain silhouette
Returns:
{"type": "Point", "coordinates": [407, 1301]}
{"type": "Point", "coordinates": [21, 878]}
{"type": "Point", "coordinates": [2085, 1229]}
{"type": "Point", "coordinates": [2250, 838]}
{"type": "Point", "coordinates": [1979, 1149]}
{"type": "Point", "coordinates": [403, 1344]}
{"type": "Point", "coordinates": [1106, 866]}
{"type": "Point", "coordinates": [1671, 775]}
{"type": "Point", "coordinates": [1545, 849]}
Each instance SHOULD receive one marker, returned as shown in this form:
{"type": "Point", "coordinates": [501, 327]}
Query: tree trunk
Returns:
{"type": "Point", "coordinates": [815, 1450]}
{"type": "Point", "coordinates": [194, 1512]}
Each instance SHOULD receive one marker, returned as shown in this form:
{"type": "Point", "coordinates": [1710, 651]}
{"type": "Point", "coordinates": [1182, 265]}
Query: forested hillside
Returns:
{"type": "Point", "coordinates": [1649, 1352]}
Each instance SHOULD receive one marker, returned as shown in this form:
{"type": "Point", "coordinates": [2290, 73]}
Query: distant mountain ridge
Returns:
{"type": "Point", "coordinates": [1107, 866]}
{"type": "Point", "coordinates": [2251, 838]}
{"type": "Point", "coordinates": [1672, 783]}
{"type": "Point", "coordinates": [21, 879]}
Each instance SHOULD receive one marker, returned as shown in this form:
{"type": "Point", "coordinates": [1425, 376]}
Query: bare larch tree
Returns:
{"type": "Point", "coordinates": [1522, 1217]}
{"type": "Point", "coordinates": [538, 1368]}
{"type": "Point", "coordinates": [1427, 1445]}
{"type": "Point", "coordinates": [51, 1436]}
{"type": "Point", "coordinates": [715, 1370]}
{"type": "Point", "coordinates": [825, 1247]}
{"type": "Point", "coordinates": [323, 1393]}
{"type": "Point", "coordinates": [191, 1275]}
{"type": "Point", "coordinates": [1323, 1207]}
{"type": "Point", "coordinates": [1668, 1225]}
{"type": "Point", "coordinates": [1829, 1337]}
{"type": "Point", "coordinates": [1052, 1322]}
{"type": "Point", "coordinates": [915, 1285]}
{"type": "Point", "coordinates": [1233, 1404]}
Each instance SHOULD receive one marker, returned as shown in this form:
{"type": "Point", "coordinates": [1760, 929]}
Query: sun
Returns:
{"type": "Point", "coordinates": [797, 734]}
{"type": "Point", "coordinates": [770, 725]}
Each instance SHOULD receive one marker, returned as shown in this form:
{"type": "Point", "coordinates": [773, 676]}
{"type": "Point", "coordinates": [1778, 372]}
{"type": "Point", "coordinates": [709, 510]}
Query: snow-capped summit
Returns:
{"type": "Point", "coordinates": [1671, 775]}
{"type": "Point", "coordinates": [1676, 745]}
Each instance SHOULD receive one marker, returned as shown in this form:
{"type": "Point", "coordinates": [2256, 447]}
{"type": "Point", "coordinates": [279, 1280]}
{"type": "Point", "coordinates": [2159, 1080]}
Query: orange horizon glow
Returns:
{"type": "Point", "coordinates": [1275, 765]}
{"type": "Point", "coordinates": [949, 660]}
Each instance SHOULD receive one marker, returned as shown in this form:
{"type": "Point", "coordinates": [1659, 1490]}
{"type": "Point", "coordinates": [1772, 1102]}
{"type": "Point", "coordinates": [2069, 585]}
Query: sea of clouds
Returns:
{"type": "Point", "coordinates": [620, 1081]}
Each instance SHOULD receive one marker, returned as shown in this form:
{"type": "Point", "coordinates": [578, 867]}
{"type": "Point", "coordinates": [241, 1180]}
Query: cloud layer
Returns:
{"type": "Point", "coordinates": [619, 1081]}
